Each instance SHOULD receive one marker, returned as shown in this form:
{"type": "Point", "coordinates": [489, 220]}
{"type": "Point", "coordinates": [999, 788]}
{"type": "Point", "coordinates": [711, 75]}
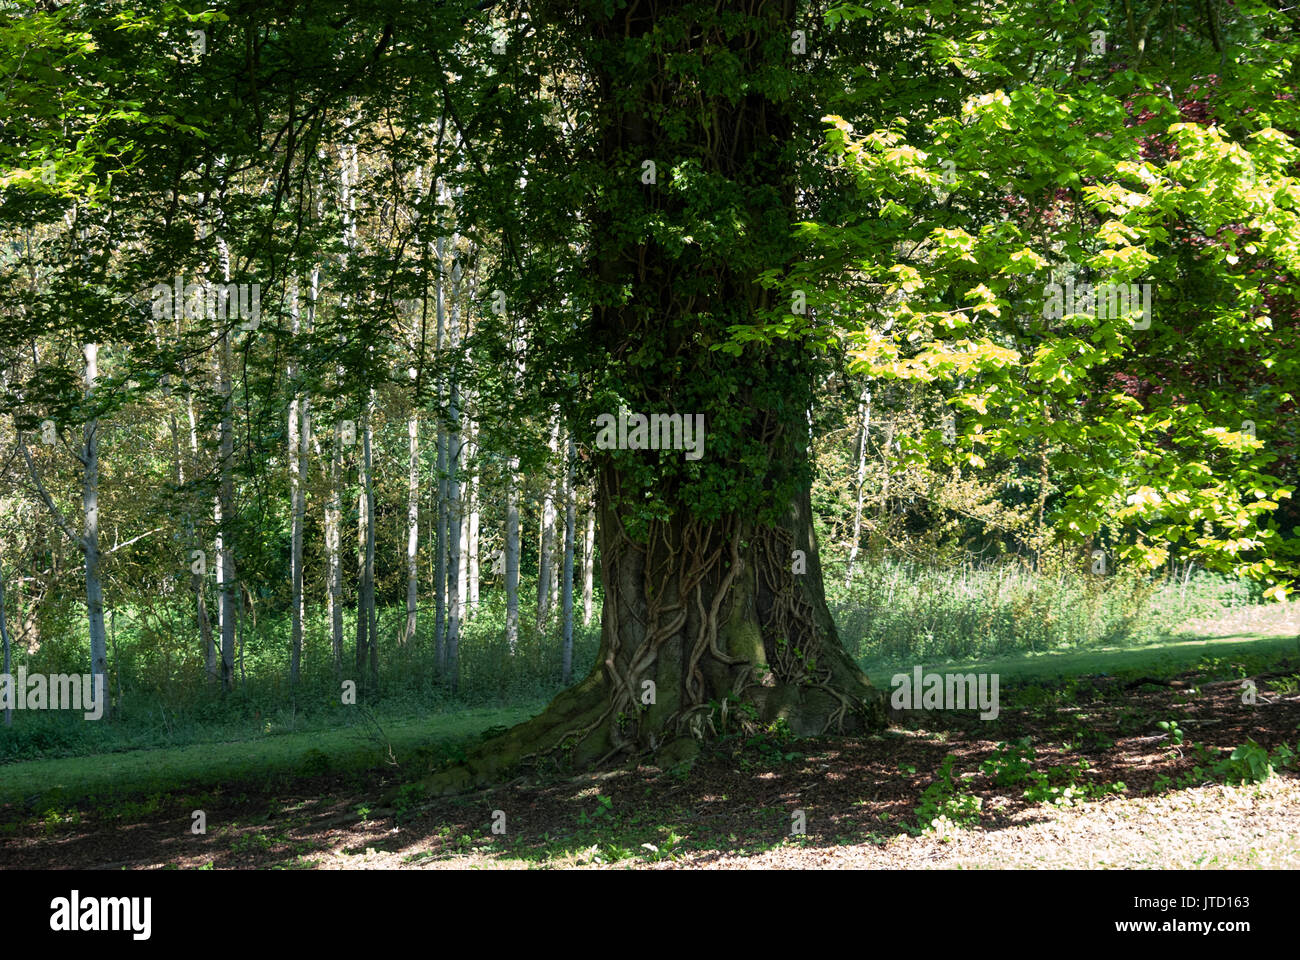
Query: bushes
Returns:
{"type": "Point", "coordinates": [895, 611]}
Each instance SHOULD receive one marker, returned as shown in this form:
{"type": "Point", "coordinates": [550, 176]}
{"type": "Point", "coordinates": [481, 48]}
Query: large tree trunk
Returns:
{"type": "Point", "coordinates": [714, 611]}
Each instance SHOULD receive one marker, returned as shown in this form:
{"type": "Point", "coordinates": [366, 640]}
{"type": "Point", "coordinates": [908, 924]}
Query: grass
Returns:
{"type": "Point", "coordinates": [196, 767]}
{"type": "Point", "coordinates": [280, 798]}
{"type": "Point", "coordinates": [223, 742]}
{"type": "Point", "coordinates": [162, 697]}
{"type": "Point", "coordinates": [895, 610]}
{"type": "Point", "coordinates": [359, 747]}
{"type": "Point", "coordinates": [1158, 658]}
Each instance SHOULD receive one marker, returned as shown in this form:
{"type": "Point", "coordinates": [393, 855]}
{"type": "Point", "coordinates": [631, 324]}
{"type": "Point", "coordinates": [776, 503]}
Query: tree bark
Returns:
{"type": "Point", "coordinates": [546, 538]}
{"type": "Point", "coordinates": [224, 515]}
{"type": "Point", "coordinates": [198, 582]}
{"type": "Point", "coordinates": [297, 456]}
{"type": "Point", "coordinates": [226, 492]}
{"type": "Point", "coordinates": [334, 550]}
{"type": "Point", "coordinates": [511, 548]}
{"type": "Point", "coordinates": [412, 523]}
{"type": "Point", "coordinates": [462, 562]}
{"type": "Point", "coordinates": [440, 469]}
{"type": "Point", "coordinates": [367, 654]}
{"type": "Point", "coordinates": [588, 564]}
{"type": "Point", "coordinates": [453, 495]}
{"type": "Point", "coordinates": [566, 592]}
{"type": "Point", "coordinates": [472, 526]}
{"type": "Point", "coordinates": [4, 631]}
{"type": "Point", "coordinates": [90, 536]}
{"type": "Point", "coordinates": [511, 551]}
{"type": "Point", "coordinates": [864, 433]}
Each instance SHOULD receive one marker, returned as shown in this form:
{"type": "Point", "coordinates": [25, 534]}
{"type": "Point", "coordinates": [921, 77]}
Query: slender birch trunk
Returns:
{"type": "Point", "coordinates": [224, 514]}
{"type": "Point", "coordinates": [511, 551]}
{"type": "Point", "coordinates": [453, 494]}
{"type": "Point", "coordinates": [588, 558]}
{"type": "Point", "coordinates": [197, 581]}
{"type": "Point", "coordinates": [4, 632]}
{"type": "Point", "coordinates": [412, 522]}
{"type": "Point", "coordinates": [864, 432]}
{"type": "Point", "coordinates": [334, 549]}
{"type": "Point", "coordinates": [348, 174]}
{"type": "Point", "coordinates": [366, 650]}
{"type": "Point", "coordinates": [546, 538]}
{"type": "Point", "coordinates": [368, 595]}
{"type": "Point", "coordinates": [462, 561]}
{"type": "Point", "coordinates": [471, 552]}
{"type": "Point", "coordinates": [566, 593]}
{"type": "Point", "coordinates": [90, 535]}
{"type": "Point", "coordinates": [440, 468]}
{"type": "Point", "coordinates": [297, 456]}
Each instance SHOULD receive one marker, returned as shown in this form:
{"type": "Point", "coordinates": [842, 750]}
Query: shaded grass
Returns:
{"type": "Point", "coordinates": [370, 742]}
{"type": "Point", "coordinates": [341, 750]}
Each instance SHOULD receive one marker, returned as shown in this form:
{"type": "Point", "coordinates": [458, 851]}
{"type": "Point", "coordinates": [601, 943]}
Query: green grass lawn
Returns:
{"type": "Point", "coordinates": [1158, 658]}
{"type": "Point", "coordinates": [198, 766]}
{"type": "Point", "coordinates": [363, 746]}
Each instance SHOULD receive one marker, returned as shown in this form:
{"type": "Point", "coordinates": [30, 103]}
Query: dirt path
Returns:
{"type": "Point", "coordinates": [1214, 827]}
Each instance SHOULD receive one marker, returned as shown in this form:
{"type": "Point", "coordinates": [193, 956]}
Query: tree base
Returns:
{"type": "Point", "coordinates": [576, 732]}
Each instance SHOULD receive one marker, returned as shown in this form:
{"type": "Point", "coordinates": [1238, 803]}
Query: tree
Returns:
{"type": "Point", "coordinates": [566, 589]}
{"type": "Point", "coordinates": [1084, 255]}
{"type": "Point", "coordinates": [4, 638]}
{"type": "Point", "coordinates": [712, 580]}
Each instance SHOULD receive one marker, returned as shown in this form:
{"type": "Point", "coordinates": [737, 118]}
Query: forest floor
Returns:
{"type": "Point", "coordinates": [1162, 768]}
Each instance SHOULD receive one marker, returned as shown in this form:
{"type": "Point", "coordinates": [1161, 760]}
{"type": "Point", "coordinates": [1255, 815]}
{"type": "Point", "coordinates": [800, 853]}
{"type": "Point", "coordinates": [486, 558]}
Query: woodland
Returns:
{"type": "Point", "coordinates": [458, 432]}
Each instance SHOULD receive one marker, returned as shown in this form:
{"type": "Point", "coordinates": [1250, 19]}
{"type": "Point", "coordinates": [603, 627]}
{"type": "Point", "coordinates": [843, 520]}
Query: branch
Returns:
{"type": "Point", "coordinates": [1140, 50]}
{"type": "Point", "coordinates": [45, 496]}
{"type": "Point", "coordinates": [128, 543]}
